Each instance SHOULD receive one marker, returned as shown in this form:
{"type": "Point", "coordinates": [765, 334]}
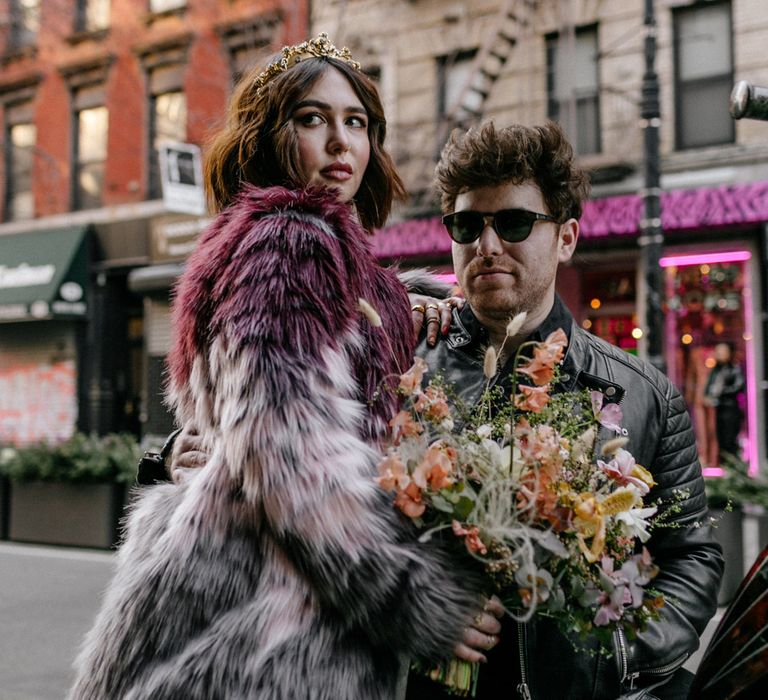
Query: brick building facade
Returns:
{"type": "Point", "coordinates": [88, 90]}
{"type": "Point", "coordinates": [446, 63]}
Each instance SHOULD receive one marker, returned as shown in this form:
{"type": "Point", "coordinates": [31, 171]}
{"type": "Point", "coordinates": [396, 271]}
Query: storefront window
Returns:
{"type": "Point", "coordinates": [709, 351]}
{"type": "Point", "coordinates": [608, 306]}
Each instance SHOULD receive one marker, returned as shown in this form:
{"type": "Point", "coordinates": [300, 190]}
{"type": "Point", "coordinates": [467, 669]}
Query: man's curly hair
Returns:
{"type": "Point", "coordinates": [486, 156]}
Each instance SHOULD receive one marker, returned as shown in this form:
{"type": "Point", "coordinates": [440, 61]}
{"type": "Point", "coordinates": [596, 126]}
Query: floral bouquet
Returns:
{"type": "Point", "coordinates": [556, 524]}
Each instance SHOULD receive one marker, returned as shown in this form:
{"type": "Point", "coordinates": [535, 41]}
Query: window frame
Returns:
{"type": "Point", "coordinates": [554, 105]}
{"type": "Point", "coordinates": [24, 116]}
{"type": "Point", "coordinates": [680, 85]}
{"type": "Point", "coordinates": [80, 164]}
{"type": "Point", "coordinates": [20, 36]}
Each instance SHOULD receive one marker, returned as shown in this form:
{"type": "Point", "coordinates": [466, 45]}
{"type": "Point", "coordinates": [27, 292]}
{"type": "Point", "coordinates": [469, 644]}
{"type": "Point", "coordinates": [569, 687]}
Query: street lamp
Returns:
{"type": "Point", "coordinates": [651, 239]}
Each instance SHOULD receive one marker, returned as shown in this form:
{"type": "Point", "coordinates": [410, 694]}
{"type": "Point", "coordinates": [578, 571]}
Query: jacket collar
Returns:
{"type": "Point", "coordinates": [468, 335]}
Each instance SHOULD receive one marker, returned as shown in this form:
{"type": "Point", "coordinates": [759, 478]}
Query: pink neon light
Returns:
{"type": "Point", "coordinates": [705, 258]}
{"type": "Point", "coordinates": [724, 257]}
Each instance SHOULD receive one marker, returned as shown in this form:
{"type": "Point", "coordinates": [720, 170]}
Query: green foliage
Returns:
{"type": "Point", "coordinates": [736, 486]}
{"type": "Point", "coordinates": [81, 459]}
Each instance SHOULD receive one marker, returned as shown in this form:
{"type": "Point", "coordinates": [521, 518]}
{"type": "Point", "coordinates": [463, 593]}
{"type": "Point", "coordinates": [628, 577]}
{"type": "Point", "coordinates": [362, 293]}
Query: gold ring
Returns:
{"type": "Point", "coordinates": [478, 618]}
{"type": "Point", "coordinates": [433, 318]}
{"type": "Point", "coordinates": [432, 306]}
{"type": "Point", "coordinates": [419, 307]}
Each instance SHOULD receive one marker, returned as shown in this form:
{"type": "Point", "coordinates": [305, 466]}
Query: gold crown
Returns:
{"type": "Point", "coordinates": [321, 47]}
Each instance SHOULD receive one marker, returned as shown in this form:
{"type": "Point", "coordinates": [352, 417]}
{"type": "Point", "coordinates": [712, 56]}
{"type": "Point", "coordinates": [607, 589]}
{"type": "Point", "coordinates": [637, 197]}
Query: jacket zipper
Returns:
{"type": "Point", "coordinates": [667, 668]}
{"type": "Point", "coordinates": [624, 674]}
{"type": "Point", "coordinates": [522, 688]}
{"type": "Point", "coordinates": [632, 677]}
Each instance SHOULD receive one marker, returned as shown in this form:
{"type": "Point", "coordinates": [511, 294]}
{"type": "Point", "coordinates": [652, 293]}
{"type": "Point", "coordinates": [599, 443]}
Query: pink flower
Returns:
{"type": "Point", "coordinates": [625, 471]}
{"type": "Point", "coordinates": [471, 537]}
{"type": "Point", "coordinates": [532, 398]}
{"type": "Point", "coordinates": [392, 473]}
{"type": "Point", "coordinates": [410, 382]}
{"type": "Point", "coordinates": [607, 414]}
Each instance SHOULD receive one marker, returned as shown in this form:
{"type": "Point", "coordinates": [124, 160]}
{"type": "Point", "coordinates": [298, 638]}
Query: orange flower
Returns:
{"type": "Point", "coordinates": [433, 404]}
{"type": "Point", "coordinates": [471, 537]}
{"type": "Point", "coordinates": [436, 467]}
{"type": "Point", "coordinates": [392, 473]}
{"type": "Point", "coordinates": [532, 398]}
{"type": "Point", "coordinates": [541, 368]}
{"type": "Point", "coordinates": [410, 382]}
{"type": "Point", "coordinates": [404, 426]}
{"type": "Point", "coordinates": [555, 343]}
{"type": "Point", "coordinates": [408, 500]}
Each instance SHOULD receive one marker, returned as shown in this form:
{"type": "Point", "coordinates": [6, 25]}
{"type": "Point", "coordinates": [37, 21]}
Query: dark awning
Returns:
{"type": "Point", "coordinates": [44, 275]}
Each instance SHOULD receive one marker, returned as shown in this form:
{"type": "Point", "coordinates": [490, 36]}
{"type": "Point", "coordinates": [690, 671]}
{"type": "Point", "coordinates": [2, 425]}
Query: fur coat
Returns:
{"type": "Point", "coordinates": [280, 570]}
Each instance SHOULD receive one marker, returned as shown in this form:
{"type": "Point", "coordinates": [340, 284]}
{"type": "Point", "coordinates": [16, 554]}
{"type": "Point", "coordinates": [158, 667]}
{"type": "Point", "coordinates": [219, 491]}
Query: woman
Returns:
{"type": "Point", "coordinates": [280, 569]}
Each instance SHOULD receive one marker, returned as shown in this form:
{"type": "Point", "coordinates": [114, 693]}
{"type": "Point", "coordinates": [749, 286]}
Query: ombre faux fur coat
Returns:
{"type": "Point", "coordinates": [280, 570]}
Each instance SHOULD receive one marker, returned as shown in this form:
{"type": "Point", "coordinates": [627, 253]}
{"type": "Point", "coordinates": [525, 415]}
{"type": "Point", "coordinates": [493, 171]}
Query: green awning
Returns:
{"type": "Point", "coordinates": [44, 275]}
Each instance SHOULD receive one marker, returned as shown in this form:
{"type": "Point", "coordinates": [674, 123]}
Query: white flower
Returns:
{"type": "Point", "coordinates": [369, 312]}
{"type": "Point", "coordinates": [446, 425]}
{"type": "Point", "coordinates": [7, 454]}
{"type": "Point", "coordinates": [490, 363]}
{"type": "Point", "coordinates": [516, 323]}
{"type": "Point", "coordinates": [484, 431]}
{"type": "Point", "coordinates": [634, 522]}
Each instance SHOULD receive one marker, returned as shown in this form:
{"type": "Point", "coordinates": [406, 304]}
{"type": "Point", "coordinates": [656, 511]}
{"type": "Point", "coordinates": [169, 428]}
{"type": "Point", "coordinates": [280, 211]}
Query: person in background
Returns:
{"type": "Point", "coordinates": [724, 385]}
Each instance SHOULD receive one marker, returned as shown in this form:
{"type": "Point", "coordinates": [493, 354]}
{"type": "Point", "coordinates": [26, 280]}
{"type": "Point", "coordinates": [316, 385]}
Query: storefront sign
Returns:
{"type": "Point", "coordinates": [182, 177]}
{"type": "Point", "coordinates": [173, 238]}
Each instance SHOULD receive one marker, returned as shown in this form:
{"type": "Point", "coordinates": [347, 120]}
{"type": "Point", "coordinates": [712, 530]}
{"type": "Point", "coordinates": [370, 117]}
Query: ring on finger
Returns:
{"type": "Point", "coordinates": [432, 306]}
{"type": "Point", "coordinates": [478, 618]}
{"type": "Point", "coordinates": [491, 641]}
{"type": "Point", "coordinates": [419, 308]}
{"type": "Point", "coordinates": [433, 319]}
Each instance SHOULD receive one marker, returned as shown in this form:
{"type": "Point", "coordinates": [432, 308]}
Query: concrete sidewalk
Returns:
{"type": "Point", "coordinates": [48, 599]}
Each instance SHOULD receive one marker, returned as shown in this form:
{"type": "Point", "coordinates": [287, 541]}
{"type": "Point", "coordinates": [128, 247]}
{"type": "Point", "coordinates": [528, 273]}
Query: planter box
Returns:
{"type": "Point", "coordinates": [729, 533]}
{"type": "Point", "coordinates": [80, 515]}
{"type": "Point", "coordinates": [5, 495]}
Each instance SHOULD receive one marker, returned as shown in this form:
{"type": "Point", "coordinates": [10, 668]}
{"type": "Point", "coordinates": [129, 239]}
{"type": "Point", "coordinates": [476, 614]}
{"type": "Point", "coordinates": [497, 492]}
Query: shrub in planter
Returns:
{"type": "Point", "coordinates": [71, 493]}
{"type": "Point", "coordinates": [728, 496]}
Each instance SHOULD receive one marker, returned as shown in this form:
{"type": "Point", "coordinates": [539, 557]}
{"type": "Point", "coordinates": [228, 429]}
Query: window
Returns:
{"type": "Point", "coordinates": [20, 137]}
{"type": "Point", "coordinates": [453, 75]}
{"type": "Point", "coordinates": [90, 147]}
{"type": "Point", "coordinates": [249, 43]}
{"type": "Point", "coordinates": [703, 75]}
{"type": "Point", "coordinates": [92, 15]}
{"type": "Point", "coordinates": [168, 122]}
{"type": "Point", "coordinates": [573, 86]}
{"type": "Point", "coordinates": [25, 23]}
{"type": "Point", "coordinates": [164, 66]}
{"type": "Point", "coordinates": [166, 5]}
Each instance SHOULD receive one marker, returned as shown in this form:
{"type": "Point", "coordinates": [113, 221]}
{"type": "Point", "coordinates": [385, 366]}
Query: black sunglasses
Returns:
{"type": "Point", "coordinates": [511, 225]}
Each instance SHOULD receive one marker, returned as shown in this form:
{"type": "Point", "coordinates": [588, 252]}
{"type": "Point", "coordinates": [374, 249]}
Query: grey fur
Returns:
{"type": "Point", "coordinates": [280, 571]}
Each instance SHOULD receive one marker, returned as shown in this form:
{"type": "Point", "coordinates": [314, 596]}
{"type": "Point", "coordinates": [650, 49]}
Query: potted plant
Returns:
{"type": "Point", "coordinates": [70, 493]}
{"type": "Point", "coordinates": [730, 497]}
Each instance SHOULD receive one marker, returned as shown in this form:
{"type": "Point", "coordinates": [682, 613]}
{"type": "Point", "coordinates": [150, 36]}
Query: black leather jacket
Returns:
{"type": "Point", "coordinates": [691, 564]}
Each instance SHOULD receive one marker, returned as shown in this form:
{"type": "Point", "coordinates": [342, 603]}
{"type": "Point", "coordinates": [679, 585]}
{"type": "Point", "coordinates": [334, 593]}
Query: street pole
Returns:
{"type": "Point", "coordinates": [651, 233]}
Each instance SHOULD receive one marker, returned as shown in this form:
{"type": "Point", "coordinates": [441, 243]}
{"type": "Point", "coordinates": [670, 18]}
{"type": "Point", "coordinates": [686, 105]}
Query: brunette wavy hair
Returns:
{"type": "Point", "coordinates": [487, 156]}
{"type": "Point", "coordinates": [258, 143]}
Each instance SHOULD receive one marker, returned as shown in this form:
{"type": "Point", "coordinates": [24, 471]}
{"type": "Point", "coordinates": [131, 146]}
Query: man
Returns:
{"type": "Point", "coordinates": [512, 199]}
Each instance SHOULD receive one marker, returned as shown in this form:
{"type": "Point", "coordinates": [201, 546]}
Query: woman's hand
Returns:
{"type": "Point", "coordinates": [435, 313]}
{"type": "Point", "coordinates": [482, 634]}
{"type": "Point", "coordinates": [188, 454]}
